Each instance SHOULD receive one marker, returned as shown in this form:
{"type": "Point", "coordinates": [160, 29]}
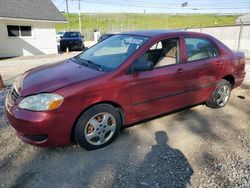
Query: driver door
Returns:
{"type": "Point", "coordinates": [162, 89]}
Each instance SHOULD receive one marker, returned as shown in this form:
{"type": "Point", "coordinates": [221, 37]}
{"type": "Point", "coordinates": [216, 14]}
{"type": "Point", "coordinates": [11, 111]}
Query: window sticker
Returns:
{"type": "Point", "coordinates": [133, 41]}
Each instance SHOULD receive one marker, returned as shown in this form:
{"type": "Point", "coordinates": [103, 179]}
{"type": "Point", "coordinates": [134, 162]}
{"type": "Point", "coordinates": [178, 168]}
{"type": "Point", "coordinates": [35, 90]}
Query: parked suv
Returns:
{"type": "Point", "coordinates": [72, 40]}
{"type": "Point", "coordinates": [123, 80]}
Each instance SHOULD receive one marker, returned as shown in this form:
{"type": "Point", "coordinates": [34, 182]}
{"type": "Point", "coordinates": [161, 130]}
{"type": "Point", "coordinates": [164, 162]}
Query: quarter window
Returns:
{"type": "Point", "coordinates": [15, 31]}
{"type": "Point", "coordinates": [199, 48]}
{"type": "Point", "coordinates": [156, 46]}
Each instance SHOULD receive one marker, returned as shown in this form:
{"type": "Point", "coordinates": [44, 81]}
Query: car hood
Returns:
{"type": "Point", "coordinates": [49, 78]}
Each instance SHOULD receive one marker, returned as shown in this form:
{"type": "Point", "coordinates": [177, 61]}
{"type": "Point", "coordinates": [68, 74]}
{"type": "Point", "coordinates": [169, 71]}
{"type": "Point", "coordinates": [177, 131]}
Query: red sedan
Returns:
{"type": "Point", "coordinates": [122, 80]}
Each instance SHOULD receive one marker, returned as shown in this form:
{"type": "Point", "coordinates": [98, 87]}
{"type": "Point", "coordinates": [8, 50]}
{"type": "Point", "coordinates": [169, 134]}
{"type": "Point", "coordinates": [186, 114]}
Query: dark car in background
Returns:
{"type": "Point", "coordinates": [72, 40]}
{"type": "Point", "coordinates": [104, 37]}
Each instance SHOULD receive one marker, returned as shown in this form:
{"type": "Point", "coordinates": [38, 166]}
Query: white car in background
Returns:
{"type": "Point", "coordinates": [59, 36]}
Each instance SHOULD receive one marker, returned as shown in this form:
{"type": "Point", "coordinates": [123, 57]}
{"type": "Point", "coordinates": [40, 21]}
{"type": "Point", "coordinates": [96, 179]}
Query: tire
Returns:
{"type": "Point", "coordinates": [220, 95]}
{"type": "Point", "coordinates": [81, 48]}
{"type": "Point", "coordinates": [97, 127]}
{"type": "Point", "coordinates": [62, 49]}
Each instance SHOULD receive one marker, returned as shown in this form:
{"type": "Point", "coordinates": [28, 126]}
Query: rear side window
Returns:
{"type": "Point", "coordinates": [199, 48]}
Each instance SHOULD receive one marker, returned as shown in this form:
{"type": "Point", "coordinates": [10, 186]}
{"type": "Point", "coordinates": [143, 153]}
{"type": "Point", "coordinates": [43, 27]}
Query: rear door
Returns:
{"type": "Point", "coordinates": [204, 68]}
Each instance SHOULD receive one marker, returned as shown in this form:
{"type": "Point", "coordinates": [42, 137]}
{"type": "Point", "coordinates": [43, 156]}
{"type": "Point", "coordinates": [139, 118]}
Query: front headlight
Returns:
{"type": "Point", "coordinates": [41, 102]}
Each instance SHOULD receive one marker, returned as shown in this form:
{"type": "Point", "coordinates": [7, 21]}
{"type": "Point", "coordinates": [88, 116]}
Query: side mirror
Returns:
{"type": "Point", "coordinates": [143, 66]}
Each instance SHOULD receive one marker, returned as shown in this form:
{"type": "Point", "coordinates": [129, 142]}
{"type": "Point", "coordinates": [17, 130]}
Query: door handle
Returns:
{"type": "Point", "coordinates": [218, 63]}
{"type": "Point", "coordinates": [180, 71]}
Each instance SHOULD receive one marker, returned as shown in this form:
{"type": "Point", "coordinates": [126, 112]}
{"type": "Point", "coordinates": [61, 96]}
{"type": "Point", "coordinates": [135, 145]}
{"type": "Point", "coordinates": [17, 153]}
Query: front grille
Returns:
{"type": "Point", "coordinates": [13, 95]}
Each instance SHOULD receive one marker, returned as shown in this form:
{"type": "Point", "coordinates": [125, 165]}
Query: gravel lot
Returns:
{"type": "Point", "coordinates": [11, 68]}
{"type": "Point", "coordinates": [195, 147]}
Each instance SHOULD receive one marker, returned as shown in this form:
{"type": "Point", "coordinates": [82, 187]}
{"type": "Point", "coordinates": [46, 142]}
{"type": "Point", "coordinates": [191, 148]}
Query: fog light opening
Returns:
{"type": "Point", "coordinates": [36, 138]}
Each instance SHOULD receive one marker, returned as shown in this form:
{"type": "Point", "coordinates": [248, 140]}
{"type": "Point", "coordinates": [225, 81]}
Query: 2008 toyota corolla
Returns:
{"type": "Point", "coordinates": [127, 78]}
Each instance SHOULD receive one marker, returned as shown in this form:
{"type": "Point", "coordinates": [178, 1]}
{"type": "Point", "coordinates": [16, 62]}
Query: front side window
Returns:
{"type": "Point", "coordinates": [113, 51]}
{"type": "Point", "coordinates": [163, 53]}
{"type": "Point", "coordinates": [16, 30]}
{"type": "Point", "coordinates": [199, 48]}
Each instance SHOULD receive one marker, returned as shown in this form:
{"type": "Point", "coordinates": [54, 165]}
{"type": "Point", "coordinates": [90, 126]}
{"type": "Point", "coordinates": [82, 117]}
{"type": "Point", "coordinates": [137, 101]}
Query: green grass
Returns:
{"type": "Point", "coordinates": [114, 22]}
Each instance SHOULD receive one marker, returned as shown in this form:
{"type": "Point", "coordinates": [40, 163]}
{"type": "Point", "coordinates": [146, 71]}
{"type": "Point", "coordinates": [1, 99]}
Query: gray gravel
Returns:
{"type": "Point", "coordinates": [195, 147]}
{"type": "Point", "coordinates": [11, 68]}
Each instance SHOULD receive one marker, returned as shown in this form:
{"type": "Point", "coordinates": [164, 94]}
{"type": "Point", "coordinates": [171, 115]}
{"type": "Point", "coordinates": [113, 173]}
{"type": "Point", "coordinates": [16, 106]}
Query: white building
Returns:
{"type": "Point", "coordinates": [27, 27]}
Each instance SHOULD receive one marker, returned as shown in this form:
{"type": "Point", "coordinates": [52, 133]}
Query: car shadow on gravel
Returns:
{"type": "Point", "coordinates": [163, 166]}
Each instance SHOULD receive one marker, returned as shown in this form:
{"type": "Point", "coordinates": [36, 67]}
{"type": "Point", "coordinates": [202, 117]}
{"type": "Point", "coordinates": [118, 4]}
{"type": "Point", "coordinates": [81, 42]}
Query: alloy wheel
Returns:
{"type": "Point", "coordinates": [100, 128]}
{"type": "Point", "coordinates": [223, 95]}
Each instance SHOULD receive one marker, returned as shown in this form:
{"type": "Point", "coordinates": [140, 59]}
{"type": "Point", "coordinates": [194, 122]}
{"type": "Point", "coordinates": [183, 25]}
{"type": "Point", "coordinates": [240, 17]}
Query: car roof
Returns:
{"type": "Point", "coordinates": [157, 33]}
{"type": "Point", "coordinates": [71, 32]}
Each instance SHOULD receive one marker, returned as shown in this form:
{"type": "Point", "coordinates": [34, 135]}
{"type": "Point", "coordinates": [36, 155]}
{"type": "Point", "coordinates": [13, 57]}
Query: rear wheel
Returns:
{"type": "Point", "coordinates": [97, 127]}
{"type": "Point", "coordinates": [221, 95]}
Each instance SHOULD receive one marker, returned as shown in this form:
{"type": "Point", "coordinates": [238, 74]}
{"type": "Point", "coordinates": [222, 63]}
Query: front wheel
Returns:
{"type": "Point", "coordinates": [221, 95]}
{"type": "Point", "coordinates": [97, 127]}
{"type": "Point", "coordinates": [62, 49]}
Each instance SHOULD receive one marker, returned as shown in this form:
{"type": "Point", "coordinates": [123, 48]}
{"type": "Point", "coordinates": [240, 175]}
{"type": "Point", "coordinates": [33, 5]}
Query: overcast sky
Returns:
{"type": "Point", "coordinates": [157, 6]}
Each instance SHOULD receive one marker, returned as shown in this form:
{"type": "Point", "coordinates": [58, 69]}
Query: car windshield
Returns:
{"type": "Point", "coordinates": [71, 35]}
{"type": "Point", "coordinates": [112, 52]}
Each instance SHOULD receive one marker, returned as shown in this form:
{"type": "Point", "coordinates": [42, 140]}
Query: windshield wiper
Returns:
{"type": "Point", "coordinates": [78, 60]}
{"type": "Point", "coordinates": [88, 63]}
{"type": "Point", "coordinates": [91, 63]}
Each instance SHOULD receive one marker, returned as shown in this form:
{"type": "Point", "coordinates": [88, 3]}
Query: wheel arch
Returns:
{"type": "Point", "coordinates": [117, 106]}
{"type": "Point", "coordinates": [230, 78]}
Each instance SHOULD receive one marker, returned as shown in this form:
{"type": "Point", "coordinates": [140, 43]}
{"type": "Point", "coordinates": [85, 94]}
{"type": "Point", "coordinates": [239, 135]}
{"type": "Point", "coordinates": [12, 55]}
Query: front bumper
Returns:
{"type": "Point", "coordinates": [40, 128]}
{"type": "Point", "coordinates": [73, 45]}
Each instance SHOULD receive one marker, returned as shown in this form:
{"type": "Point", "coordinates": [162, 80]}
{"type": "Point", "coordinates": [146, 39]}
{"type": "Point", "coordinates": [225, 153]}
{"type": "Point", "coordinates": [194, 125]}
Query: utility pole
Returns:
{"type": "Point", "coordinates": [240, 33]}
{"type": "Point", "coordinates": [67, 9]}
{"type": "Point", "coordinates": [80, 15]}
{"type": "Point", "coordinates": [166, 20]}
{"type": "Point", "coordinates": [109, 25]}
